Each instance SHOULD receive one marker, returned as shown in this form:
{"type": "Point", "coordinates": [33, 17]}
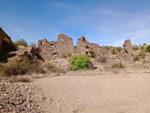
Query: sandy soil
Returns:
{"type": "Point", "coordinates": [85, 92]}
{"type": "Point", "coordinates": [96, 93]}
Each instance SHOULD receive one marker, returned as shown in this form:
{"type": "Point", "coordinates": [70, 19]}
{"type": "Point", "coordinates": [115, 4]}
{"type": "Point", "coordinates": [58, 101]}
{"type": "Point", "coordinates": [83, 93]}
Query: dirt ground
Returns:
{"type": "Point", "coordinates": [94, 92]}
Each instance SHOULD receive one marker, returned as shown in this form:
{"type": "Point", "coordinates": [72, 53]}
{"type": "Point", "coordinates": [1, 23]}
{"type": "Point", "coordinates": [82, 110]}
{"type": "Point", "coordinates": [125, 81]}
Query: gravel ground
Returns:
{"type": "Point", "coordinates": [20, 98]}
{"type": "Point", "coordinates": [79, 92]}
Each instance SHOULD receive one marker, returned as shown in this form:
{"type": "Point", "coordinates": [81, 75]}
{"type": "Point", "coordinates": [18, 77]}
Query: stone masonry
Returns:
{"type": "Point", "coordinates": [63, 46]}
{"type": "Point", "coordinates": [84, 47]}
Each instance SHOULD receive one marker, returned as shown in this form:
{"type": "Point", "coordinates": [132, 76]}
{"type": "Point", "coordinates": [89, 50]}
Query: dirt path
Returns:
{"type": "Point", "coordinates": [96, 93]}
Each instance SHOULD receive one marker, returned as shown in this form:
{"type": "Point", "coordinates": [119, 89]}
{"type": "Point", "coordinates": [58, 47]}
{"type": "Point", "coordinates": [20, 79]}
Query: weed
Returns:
{"type": "Point", "coordinates": [142, 55]}
{"type": "Point", "coordinates": [136, 58]}
{"type": "Point", "coordinates": [113, 51]}
{"type": "Point", "coordinates": [135, 47]}
{"type": "Point", "coordinates": [118, 65]}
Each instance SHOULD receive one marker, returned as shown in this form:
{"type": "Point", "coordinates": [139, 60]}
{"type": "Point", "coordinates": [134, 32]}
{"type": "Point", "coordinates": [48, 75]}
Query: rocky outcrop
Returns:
{"type": "Point", "coordinates": [5, 43]}
{"type": "Point", "coordinates": [24, 53]}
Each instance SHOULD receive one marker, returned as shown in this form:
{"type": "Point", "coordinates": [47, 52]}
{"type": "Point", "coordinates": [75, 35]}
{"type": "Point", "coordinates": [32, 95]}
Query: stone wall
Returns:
{"type": "Point", "coordinates": [64, 46]}
{"type": "Point", "coordinates": [91, 49]}
{"type": "Point", "coordinates": [46, 49]}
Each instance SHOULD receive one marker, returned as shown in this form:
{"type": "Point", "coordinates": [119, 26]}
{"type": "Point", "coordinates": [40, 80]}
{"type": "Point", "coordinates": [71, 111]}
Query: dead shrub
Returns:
{"type": "Point", "coordinates": [118, 65]}
{"type": "Point", "coordinates": [19, 79]}
{"type": "Point", "coordinates": [102, 60]}
{"type": "Point", "coordinates": [20, 67]}
{"type": "Point", "coordinates": [65, 55]}
{"type": "Point", "coordinates": [52, 68]}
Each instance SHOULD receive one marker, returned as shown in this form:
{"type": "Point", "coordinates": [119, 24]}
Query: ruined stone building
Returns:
{"type": "Point", "coordinates": [64, 47]}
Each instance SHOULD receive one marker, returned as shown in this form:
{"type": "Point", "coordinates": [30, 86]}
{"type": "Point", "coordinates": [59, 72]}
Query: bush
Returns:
{"type": "Point", "coordinates": [113, 51]}
{"type": "Point", "coordinates": [17, 67]}
{"type": "Point", "coordinates": [142, 55]}
{"type": "Point", "coordinates": [118, 65]}
{"type": "Point", "coordinates": [79, 62]}
{"type": "Point", "coordinates": [144, 44]}
{"type": "Point", "coordinates": [135, 47]}
{"type": "Point", "coordinates": [33, 45]}
{"type": "Point", "coordinates": [21, 42]}
{"type": "Point", "coordinates": [119, 49]}
{"type": "Point", "coordinates": [102, 59]}
{"type": "Point", "coordinates": [74, 47]}
{"type": "Point", "coordinates": [148, 48]}
{"type": "Point", "coordinates": [106, 47]}
{"type": "Point", "coordinates": [136, 58]}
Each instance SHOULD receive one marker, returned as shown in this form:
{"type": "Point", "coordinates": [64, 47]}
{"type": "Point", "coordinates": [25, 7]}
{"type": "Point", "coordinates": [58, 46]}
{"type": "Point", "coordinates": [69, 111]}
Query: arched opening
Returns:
{"type": "Point", "coordinates": [52, 45]}
{"type": "Point", "coordinates": [63, 40]}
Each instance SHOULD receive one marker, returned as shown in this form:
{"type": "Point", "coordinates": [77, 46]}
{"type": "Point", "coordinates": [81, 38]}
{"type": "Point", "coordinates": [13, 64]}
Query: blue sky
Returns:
{"type": "Point", "coordinates": [106, 22]}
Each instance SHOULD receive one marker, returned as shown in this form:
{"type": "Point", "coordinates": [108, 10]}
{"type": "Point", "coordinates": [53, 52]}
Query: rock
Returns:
{"type": "Point", "coordinates": [5, 43]}
{"type": "Point", "coordinates": [61, 63]}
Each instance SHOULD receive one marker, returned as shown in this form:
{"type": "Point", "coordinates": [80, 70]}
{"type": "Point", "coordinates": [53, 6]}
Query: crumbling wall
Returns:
{"type": "Point", "coordinates": [91, 49]}
{"type": "Point", "coordinates": [47, 49]}
{"type": "Point", "coordinates": [64, 45]}
{"type": "Point", "coordinates": [127, 47]}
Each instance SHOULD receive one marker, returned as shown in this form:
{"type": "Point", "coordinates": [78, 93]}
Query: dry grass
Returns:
{"type": "Point", "coordinates": [19, 79]}
{"type": "Point", "coordinates": [118, 65]}
{"type": "Point", "coordinates": [20, 67]}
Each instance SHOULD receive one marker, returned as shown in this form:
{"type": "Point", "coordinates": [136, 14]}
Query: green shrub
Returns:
{"type": "Point", "coordinates": [74, 47]}
{"type": "Point", "coordinates": [119, 49]}
{"type": "Point", "coordinates": [118, 65]}
{"type": "Point", "coordinates": [113, 51]}
{"type": "Point", "coordinates": [79, 62]}
{"type": "Point", "coordinates": [21, 42]}
{"type": "Point", "coordinates": [142, 55]}
{"type": "Point", "coordinates": [135, 47]}
{"type": "Point", "coordinates": [148, 48]}
{"type": "Point", "coordinates": [106, 47]}
{"type": "Point", "coordinates": [136, 58]}
{"type": "Point", "coordinates": [144, 44]}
